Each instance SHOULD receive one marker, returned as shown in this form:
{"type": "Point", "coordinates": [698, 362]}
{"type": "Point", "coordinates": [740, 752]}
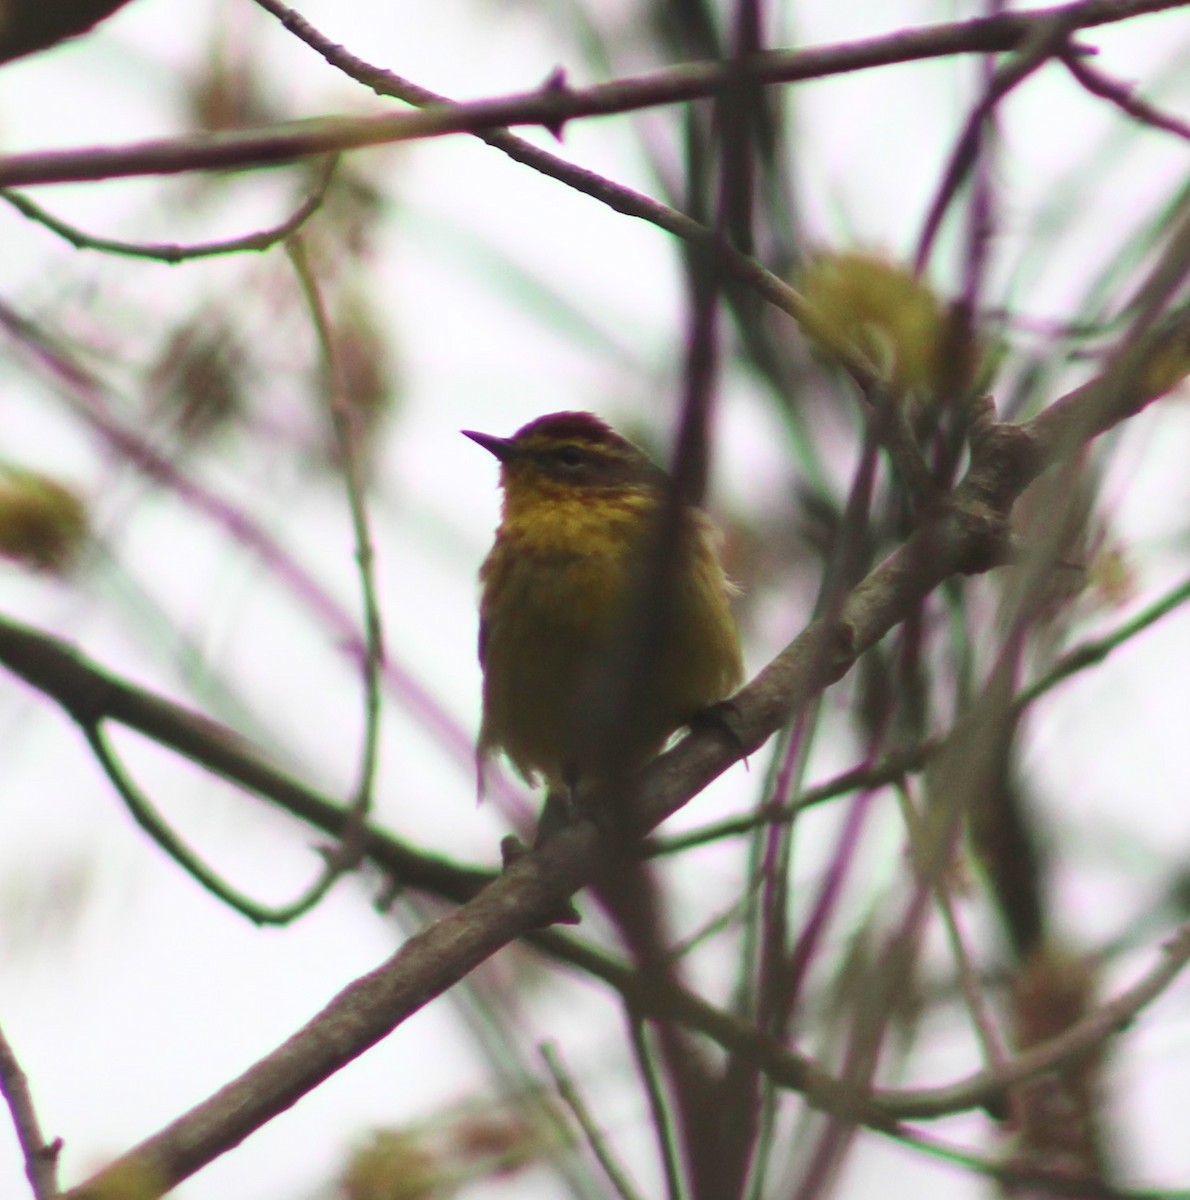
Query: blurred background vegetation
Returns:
{"type": "Point", "coordinates": [176, 499]}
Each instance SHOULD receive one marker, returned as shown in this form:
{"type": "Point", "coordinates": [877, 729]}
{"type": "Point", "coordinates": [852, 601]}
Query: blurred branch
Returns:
{"type": "Point", "coordinates": [343, 419]}
{"type": "Point", "coordinates": [659, 1113]}
{"type": "Point", "coordinates": [30, 25]}
{"type": "Point", "coordinates": [882, 1107]}
{"type": "Point", "coordinates": [165, 838]}
{"type": "Point", "coordinates": [89, 401]}
{"type": "Point", "coordinates": [1098, 83]}
{"type": "Point", "coordinates": [573, 1099]}
{"type": "Point", "coordinates": [166, 252]}
{"type": "Point", "coordinates": [1093, 651]}
{"type": "Point", "coordinates": [41, 1157]}
{"type": "Point", "coordinates": [918, 827]}
{"type": "Point", "coordinates": [900, 763]}
{"type": "Point", "coordinates": [1047, 40]}
{"type": "Point", "coordinates": [867, 776]}
{"type": "Point", "coordinates": [1080, 1039]}
{"type": "Point", "coordinates": [555, 103]}
{"type": "Point", "coordinates": [1053, 1181]}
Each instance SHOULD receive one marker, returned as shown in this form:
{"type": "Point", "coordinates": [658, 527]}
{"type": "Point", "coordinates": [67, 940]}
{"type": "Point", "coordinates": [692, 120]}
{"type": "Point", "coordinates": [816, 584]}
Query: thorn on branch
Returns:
{"type": "Point", "coordinates": [556, 85]}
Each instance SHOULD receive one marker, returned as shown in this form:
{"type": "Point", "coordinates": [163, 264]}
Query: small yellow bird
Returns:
{"type": "Point", "coordinates": [560, 590]}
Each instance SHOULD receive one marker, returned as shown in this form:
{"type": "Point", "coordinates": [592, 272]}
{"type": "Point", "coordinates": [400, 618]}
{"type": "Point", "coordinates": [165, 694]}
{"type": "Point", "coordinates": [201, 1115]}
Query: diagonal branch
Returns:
{"type": "Point", "coordinates": [970, 537]}
{"type": "Point", "coordinates": [89, 696]}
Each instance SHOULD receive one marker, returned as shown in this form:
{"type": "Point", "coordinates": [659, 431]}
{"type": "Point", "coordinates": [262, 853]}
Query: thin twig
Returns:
{"type": "Point", "coordinates": [1044, 42]}
{"type": "Point", "coordinates": [148, 819]}
{"type": "Point", "coordinates": [994, 1051]}
{"type": "Point", "coordinates": [574, 1101]}
{"type": "Point", "coordinates": [716, 923]}
{"type": "Point", "coordinates": [171, 253]}
{"type": "Point", "coordinates": [41, 1157]}
{"type": "Point", "coordinates": [343, 421]}
{"type": "Point", "coordinates": [1092, 652]}
{"type": "Point", "coordinates": [897, 765]}
{"type": "Point", "coordinates": [91, 696]}
{"type": "Point", "coordinates": [1099, 83]}
{"type": "Point", "coordinates": [1037, 1178]}
{"type": "Point", "coordinates": [1079, 1039]}
{"type": "Point", "coordinates": [658, 1108]}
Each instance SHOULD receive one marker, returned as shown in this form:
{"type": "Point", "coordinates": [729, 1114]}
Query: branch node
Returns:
{"type": "Point", "coordinates": [988, 537]}
{"type": "Point", "coordinates": [512, 852]}
{"type": "Point", "coordinates": [1004, 457]}
{"type": "Point", "coordinates": [840, 647]}
{"type": "Point", "coordinates": [725, 719]}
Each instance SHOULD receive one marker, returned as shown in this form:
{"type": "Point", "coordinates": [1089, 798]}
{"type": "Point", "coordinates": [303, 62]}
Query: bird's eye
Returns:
{"type": "Point", "coordinates": [570, 456]}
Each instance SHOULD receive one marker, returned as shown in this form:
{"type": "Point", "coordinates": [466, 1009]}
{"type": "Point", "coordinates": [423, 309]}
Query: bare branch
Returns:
{"type": "Point", "coordinates": [1099, 83]}
{"type": "Point", "coordinates": [594, 1135]}
{"type": "Point", "coordinates": [343, 423]}
{"type": "Point", "coordinates": [41, 1157]}
{"type": "Point", "coordinates": [1047, 41]}
{"type": "Point", "coordinates": [551, 106]}
{"type": "Point", "coordinates": [30, 25]}
{"type": "Point", "coordinates": [91, 696]}
{"type": "Point", "coordinates": [263, 239]}
{"type": "Point", "coordinates": [1080, 1039]}
{"type": "Point", "coordinates": [533, 887]}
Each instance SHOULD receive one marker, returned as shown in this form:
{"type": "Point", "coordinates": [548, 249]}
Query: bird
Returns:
{"type": "Point", "coordinates": [590, 662]}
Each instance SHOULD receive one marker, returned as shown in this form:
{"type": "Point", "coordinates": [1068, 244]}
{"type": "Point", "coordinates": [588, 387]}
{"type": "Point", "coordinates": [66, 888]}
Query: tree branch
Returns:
{"type": "Point", "coordinates": [552, 105]}
{"type": "Point", "coordinates": [970, 537]}
{"type": "Point", "coordinates": [41, 1157]}
{"type": "Point", "coordinates": [90, 697]}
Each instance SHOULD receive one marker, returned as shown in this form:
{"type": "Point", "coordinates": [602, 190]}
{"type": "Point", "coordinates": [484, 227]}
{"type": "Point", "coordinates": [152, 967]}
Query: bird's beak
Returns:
{"type": "Point", "coordinates": [502, 448]}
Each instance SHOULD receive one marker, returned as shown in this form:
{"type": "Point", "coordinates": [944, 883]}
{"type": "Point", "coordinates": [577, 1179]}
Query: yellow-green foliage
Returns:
{"type": "Point", "coordinates": [864, 310]}
{"type": "Point", "coordinates": [394, 1165]}
{"type": "Point", "coordinates": [1167, 368]}
{"type": "Point", "coordinates": [42, 523]}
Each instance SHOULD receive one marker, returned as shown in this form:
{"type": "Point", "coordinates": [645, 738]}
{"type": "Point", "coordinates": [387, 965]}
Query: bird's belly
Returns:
{"type": "Point", "coordinates": [567, 670]}
{"type": "Point", "coordinates": [555, 623]}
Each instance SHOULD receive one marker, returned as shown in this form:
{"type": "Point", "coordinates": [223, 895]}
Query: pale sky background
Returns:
{"type": "Point", "coordinates": [156, 995]}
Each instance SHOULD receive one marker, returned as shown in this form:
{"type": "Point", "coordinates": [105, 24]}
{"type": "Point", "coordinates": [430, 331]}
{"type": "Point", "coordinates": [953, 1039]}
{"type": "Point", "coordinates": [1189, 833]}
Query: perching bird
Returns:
{"type": "Point", "coordinates": [561, 590]}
